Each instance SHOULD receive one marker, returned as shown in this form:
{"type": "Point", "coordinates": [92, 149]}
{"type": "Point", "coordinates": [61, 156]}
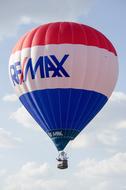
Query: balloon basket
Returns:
{"type": "Point", "coordinates": [62, 161]}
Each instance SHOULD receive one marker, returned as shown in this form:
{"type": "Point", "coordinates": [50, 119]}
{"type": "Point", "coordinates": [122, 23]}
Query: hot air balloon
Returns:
{"type": "Point", "coordinates": [63, 73]}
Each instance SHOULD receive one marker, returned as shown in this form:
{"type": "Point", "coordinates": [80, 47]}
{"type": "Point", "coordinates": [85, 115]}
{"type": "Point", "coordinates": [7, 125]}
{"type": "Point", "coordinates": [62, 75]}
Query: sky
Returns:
{"type": "Point", "coordinates": [97, 158]}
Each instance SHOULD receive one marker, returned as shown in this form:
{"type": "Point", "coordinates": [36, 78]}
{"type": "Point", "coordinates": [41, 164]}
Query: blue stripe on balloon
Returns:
{"type": "Point", "coordinates": [63, 113]}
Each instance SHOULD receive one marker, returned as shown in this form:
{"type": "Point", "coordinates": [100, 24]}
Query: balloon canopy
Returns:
{"type": "Point", "coordinates": [63, 73]}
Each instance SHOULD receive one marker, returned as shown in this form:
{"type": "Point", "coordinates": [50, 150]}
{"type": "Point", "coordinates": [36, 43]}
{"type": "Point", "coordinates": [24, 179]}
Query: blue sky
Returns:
{"type": "Point", "coordinates": [27, 156]}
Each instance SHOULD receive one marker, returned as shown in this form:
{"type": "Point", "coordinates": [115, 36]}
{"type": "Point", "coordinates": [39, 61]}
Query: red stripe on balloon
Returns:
{"type": "Point", "coordinates": [64, 33]}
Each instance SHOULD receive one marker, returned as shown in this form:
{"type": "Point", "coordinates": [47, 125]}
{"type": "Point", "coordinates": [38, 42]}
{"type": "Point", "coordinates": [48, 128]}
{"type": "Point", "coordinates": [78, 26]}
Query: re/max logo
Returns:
{"type": "Point", "coordinates": [49, 66]}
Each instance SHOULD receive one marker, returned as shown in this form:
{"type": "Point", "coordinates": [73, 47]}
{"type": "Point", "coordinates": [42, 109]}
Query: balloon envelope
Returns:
{"type": "Point", "coordinates": [63, 73]}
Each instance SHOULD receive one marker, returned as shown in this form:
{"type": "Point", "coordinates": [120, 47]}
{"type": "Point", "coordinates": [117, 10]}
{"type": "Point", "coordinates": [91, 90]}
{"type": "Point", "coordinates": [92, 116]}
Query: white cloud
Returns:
{"type": "Point", "coordinates": [25, 20]}
{"type": "Point", "coordinates": [115, 165]}
{"type": "Point", "coordinates": [109, 185]}
{"type": "Point", "coordinates": [103, 174]}
{"type": "Point", "coordinates": [32, 169]}
{"type": "Point", "coordinates": [121, 125]}
{"type": "Point", "coordinates": [91, 174]}
{"type": "Point", "coordinates": [108, 137]}
{"type": "Point", "coordinates": [23, 117]}
{"type": "Point", "coordinates": [118, 97]}
{"type": "Point", "coordinates": [114, 110]}
{"type": "Point", "coordinates": [10, 98]}
{"type": "Point", "coordinates": [82, 141]}
{"type": "Point", "coordinates": [2, 172]}
{"type": "Point", "coordinates": [110, 118]}
{"type": "Point", "coordinates": [7, 140]}
{"type": "Point", "coordinates": [12, 14]}
{"type": "Point", "coordinates": [34, 176]}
